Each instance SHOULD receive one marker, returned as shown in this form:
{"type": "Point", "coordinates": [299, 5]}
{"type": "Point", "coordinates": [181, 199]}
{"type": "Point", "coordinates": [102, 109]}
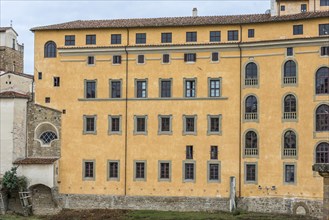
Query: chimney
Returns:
{"type": "Point", "coordinates": [194, 12]}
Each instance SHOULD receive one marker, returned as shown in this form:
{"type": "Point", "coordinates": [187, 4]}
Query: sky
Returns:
{"type": "Point", "coordinates": [25, 14]}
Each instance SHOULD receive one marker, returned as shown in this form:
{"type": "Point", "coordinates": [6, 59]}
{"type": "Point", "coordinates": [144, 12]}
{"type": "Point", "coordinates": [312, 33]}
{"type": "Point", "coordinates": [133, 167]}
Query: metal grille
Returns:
{"type": "Point", "coordinates": [47, 137]}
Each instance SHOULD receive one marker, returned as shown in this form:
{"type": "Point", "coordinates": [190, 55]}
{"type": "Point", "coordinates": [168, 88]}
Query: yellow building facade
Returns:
{"type": "Point", "coordinates": [175, 107]}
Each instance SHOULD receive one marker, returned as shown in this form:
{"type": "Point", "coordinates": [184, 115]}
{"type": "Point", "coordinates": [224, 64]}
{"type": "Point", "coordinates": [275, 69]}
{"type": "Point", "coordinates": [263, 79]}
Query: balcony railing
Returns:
{"type": "Point", "coordinates": [251, 82]}
{"type": "Point", "coordinates": [289, 115]}
{"type": "Point", "coordinates": [289, 152]}
{"type": "Point", "coordinates": [289, 80]}
{"type": "Point", "coordinates": [251, 116]}
{"type": "Point", "coordinates": [251, 151]}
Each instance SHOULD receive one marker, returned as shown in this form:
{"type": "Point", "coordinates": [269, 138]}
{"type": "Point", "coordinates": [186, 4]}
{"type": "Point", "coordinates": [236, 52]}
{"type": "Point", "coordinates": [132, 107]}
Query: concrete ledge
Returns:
{"type": "Point", "coordinates": [321, 167]}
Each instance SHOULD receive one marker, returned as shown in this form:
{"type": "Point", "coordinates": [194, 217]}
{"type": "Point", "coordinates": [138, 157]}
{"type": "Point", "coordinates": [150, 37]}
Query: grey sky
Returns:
{"type": "Point", "coordinates": [27, 14]}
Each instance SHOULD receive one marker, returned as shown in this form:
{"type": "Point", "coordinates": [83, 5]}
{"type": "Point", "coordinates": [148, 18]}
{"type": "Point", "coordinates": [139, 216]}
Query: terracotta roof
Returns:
{"type": "Point", "coordinates": [31, 160]}
{"type": "Point", "coordinates": [12, 94]}
{"type": "Point", "coordinates": [181, 21]}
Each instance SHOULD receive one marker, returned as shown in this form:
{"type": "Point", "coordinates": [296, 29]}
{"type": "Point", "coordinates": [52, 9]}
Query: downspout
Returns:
{"type": "Point", "coordinates": [126, 115]}
{"type": "Point", "coordinates": [240, 110]}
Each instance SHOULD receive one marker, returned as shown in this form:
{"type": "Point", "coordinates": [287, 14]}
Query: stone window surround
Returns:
{"type": "Point", "coordinates": [85, 124]}
{"type": "Point", "coordinates": [83, 170]}
{"type": "Point", "coordinates": [183, 171]}
{"type": "Point", "coordinates": [245, 173]}
{"type": "Point", "coordinates": [135, 89]}
{"type": "Point", "coordinates": [108, 170]}
{"type": "Point", "coordinates": [159, 171]}
{"type": "Point", "coordinates": [283, 98]}
{"type": "Point", "coordinates": [145, 170]}
{"type": "Point", "coordinates": [39, 131]}
{"type": "Point", "coordinates": [284, 173]}
{"type": "Point", "coordinates": [171, 87]}
{"type": "Point", "coordinates": [110, 132]}
{"type": "Point", "coordinates": [314, 119]}
{"type": "Point", "coordinates": [110, 86]}
{"type": "Point", "coordinates": [85, 88]}
{"type": "Point", "coordinates": [244, 143]}
{"type": "Point", "coordinates": [208, 171]}
{"type": "Point", "coordinates": [244, 108]}
{"type": "Point", "coordinates": [135, 125]}
{"type": "Point", "coordinates": [169, 58]}
{"type": "Point", "coordinates": [209, 117]}
{"type": "Point", "coordinates": [195, 124]}
{"type": "Point", "coordinates": [195, 89]}
{"type": "Point", "coordinates": [92, 64]}
{"type": "Point", "coordinates": [116, 55]}
{"type": "Point", "coordinates": [251, 60]}
{"type": "Point", "coordinates": [289, 58]}
{"type": "Point", "coordinates": [160, 132]}
{"type": "Point", "coordinates": [209, 89]}
{"type": "Point", "coordinates": [282, 144]}
{"type": "Point", "coordinates": [211, 57]}
{"type": "Point", "coordinates": [144, 59]}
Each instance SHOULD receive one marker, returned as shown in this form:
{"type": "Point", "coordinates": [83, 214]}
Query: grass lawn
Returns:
{"type": "Point", "coordinates": [103, 214]}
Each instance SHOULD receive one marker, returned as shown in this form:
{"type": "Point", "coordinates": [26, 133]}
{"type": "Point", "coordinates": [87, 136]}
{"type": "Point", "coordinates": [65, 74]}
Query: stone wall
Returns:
{"type": "Point", "coordinates": [272, 205]}
{"type": "Point", "coordinates": [38, 114]}
{"type": "Point", "coordinates": [7, 58]}
{"type": "Point", "coordinates": [326, 197]}
{"type": "Point", "coordinates": [42, 201]}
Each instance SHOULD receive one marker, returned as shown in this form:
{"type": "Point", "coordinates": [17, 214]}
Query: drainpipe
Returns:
{"type": "Point", "coordinates": [240, 110]}
{"type": "Point", "coordinates": [126, 114]}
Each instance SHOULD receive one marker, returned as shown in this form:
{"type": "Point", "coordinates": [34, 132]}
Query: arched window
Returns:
{"type": "Point", "coordinates": [322, 81]}
{"type": "Point", "coordinates": [251, 77]}
{"type": "Point", "coordinates": [289, 144]}
{"type": "Point", "coordinates": [289, 72]}
{"type": "Point", "coordinates": [290, 107]}
{"type": "Point", "coordinates": [322, 118]}
{"type": "Point", "coordinates": [251, 108]}
{"type": "Point", "coordinates": [47, 137]}
{"type": "Point", "coordinates": [251, 145]}
{"type": "Point", "coordinates": [50, 49]}
{"type": "Point", "coordinates": [322, 153]}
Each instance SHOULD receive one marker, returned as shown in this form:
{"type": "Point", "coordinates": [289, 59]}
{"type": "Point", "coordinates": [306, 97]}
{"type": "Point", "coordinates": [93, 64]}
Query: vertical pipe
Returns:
{"type": "Point", "coordinates": [240, 109]}
{"type": "Point", "coordinates": [126, 115]}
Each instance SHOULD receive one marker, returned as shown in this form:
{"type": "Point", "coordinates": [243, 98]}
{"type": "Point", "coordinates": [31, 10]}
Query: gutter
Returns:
{"type": "Point", "coordinates": [126, 114]}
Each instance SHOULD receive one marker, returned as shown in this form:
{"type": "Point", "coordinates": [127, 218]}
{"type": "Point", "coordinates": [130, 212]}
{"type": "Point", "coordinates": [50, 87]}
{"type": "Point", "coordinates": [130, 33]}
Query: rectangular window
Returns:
{"type": "Point", "coordinates": [141, 38]}
{"type": "Point", "coordinates": [166, 37]}
{"type": "Point", "coordinates": [213, 172]}
{"type": "Point", "coordinates": [233, 35]}
{"type": "Point", "coordinates": [91, 39]}
{"type": "Point", "coordinates": [164, 171]}
{"type": "Point", "coordinates": [214, 56]}
{"type": "Point", "coordinates": [141, 89]}
{"type": "Point", "coordinates": [298, 29]}
{"type": "Point", "coordinates": [190, 57]}
{"type": "Point", "coordinates": [324, 2]}
{"type": "Point", "coordinates": [47, 100]}
{"type": "Point", "coordinates": [69, 40]}
{"type": "Point", "coordinates": [140, 59]}
{"type": "Point", "coordinates": [116, 59]}
{"type": "Point", "coordinates": [140, 125]}
{"type": "Point", "coordinates": [189, 124]}
{"type": "Point", "coordinates": [214, 124]}
{"type": "Point", "coordinates": [323, 29]}
{"type": "Point", "coordinates": [250, 173]}
{"type": "Point", "coordinates": [189, 171]}
{"type": "Point", "coordinates": [56, 81]}
{"type": "Point", "coordinates": [289, 173]}
{"type": "Point", "coordinates": [189, 152]}
{"type": "Point", "coordinates": [88, 170]}
{"type": "Point", "coordinates": [113, 170]}
{"type": "Point", "coordinates": [283, 8]}
{"type": "Point", "coordinates": [325, 51]}
{"type": "Point", "coordinates": [290, 51]}
{"type": "Point", "coordinates": [190, 88]}
{"type": "Point", "coordinates": [214, 88]}
{"type": "Point", "coordinates": [191, 37]}
{"type": "Point", "coordinates": [165, 58]}
{"type": "Point", "coordinates": [115, 38]}
{"type": "Point", "coordinates": [251, 33]}
{"type": "Point", "coordinates": [91, 60]}
{"type": "Point", "coordinates": [215, 36]}
{"type": "Point", "coordinates": [89, 124]}
{"type": "Point", "coordinates": [213, 152]}
{"type": "Point", "coordinates": [90, 89]}
{"type": "Point", "coordinates": [164, 124]}
{"type": "Point", "coordinates": [303, 8]}
{"type": "Point", "coordinates": [140, 170]}
{"type": "Point", "coordinates": [165, 88]}
{"type": "Point", "coordinates": [114, 124]}
{"type": "Point", "coordinates": [115, 89]}
{"type": "Point", "coordinates": [39, 75]}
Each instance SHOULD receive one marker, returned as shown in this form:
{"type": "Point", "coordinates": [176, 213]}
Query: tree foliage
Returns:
{"type": "Point", "coordinates": [12, 182]}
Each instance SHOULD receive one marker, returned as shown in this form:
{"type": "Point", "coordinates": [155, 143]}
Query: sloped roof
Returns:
{"type": "Point", "coordinates": [181, 21]}
{"type": "Point", "coordinates": [34, 160]}
{"type": "Point", "coordinates": [12, 94]}
{"type": "Point", "coordinates": [4, 29]}
{"type": "Point", "coordinates": [18, 74]}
